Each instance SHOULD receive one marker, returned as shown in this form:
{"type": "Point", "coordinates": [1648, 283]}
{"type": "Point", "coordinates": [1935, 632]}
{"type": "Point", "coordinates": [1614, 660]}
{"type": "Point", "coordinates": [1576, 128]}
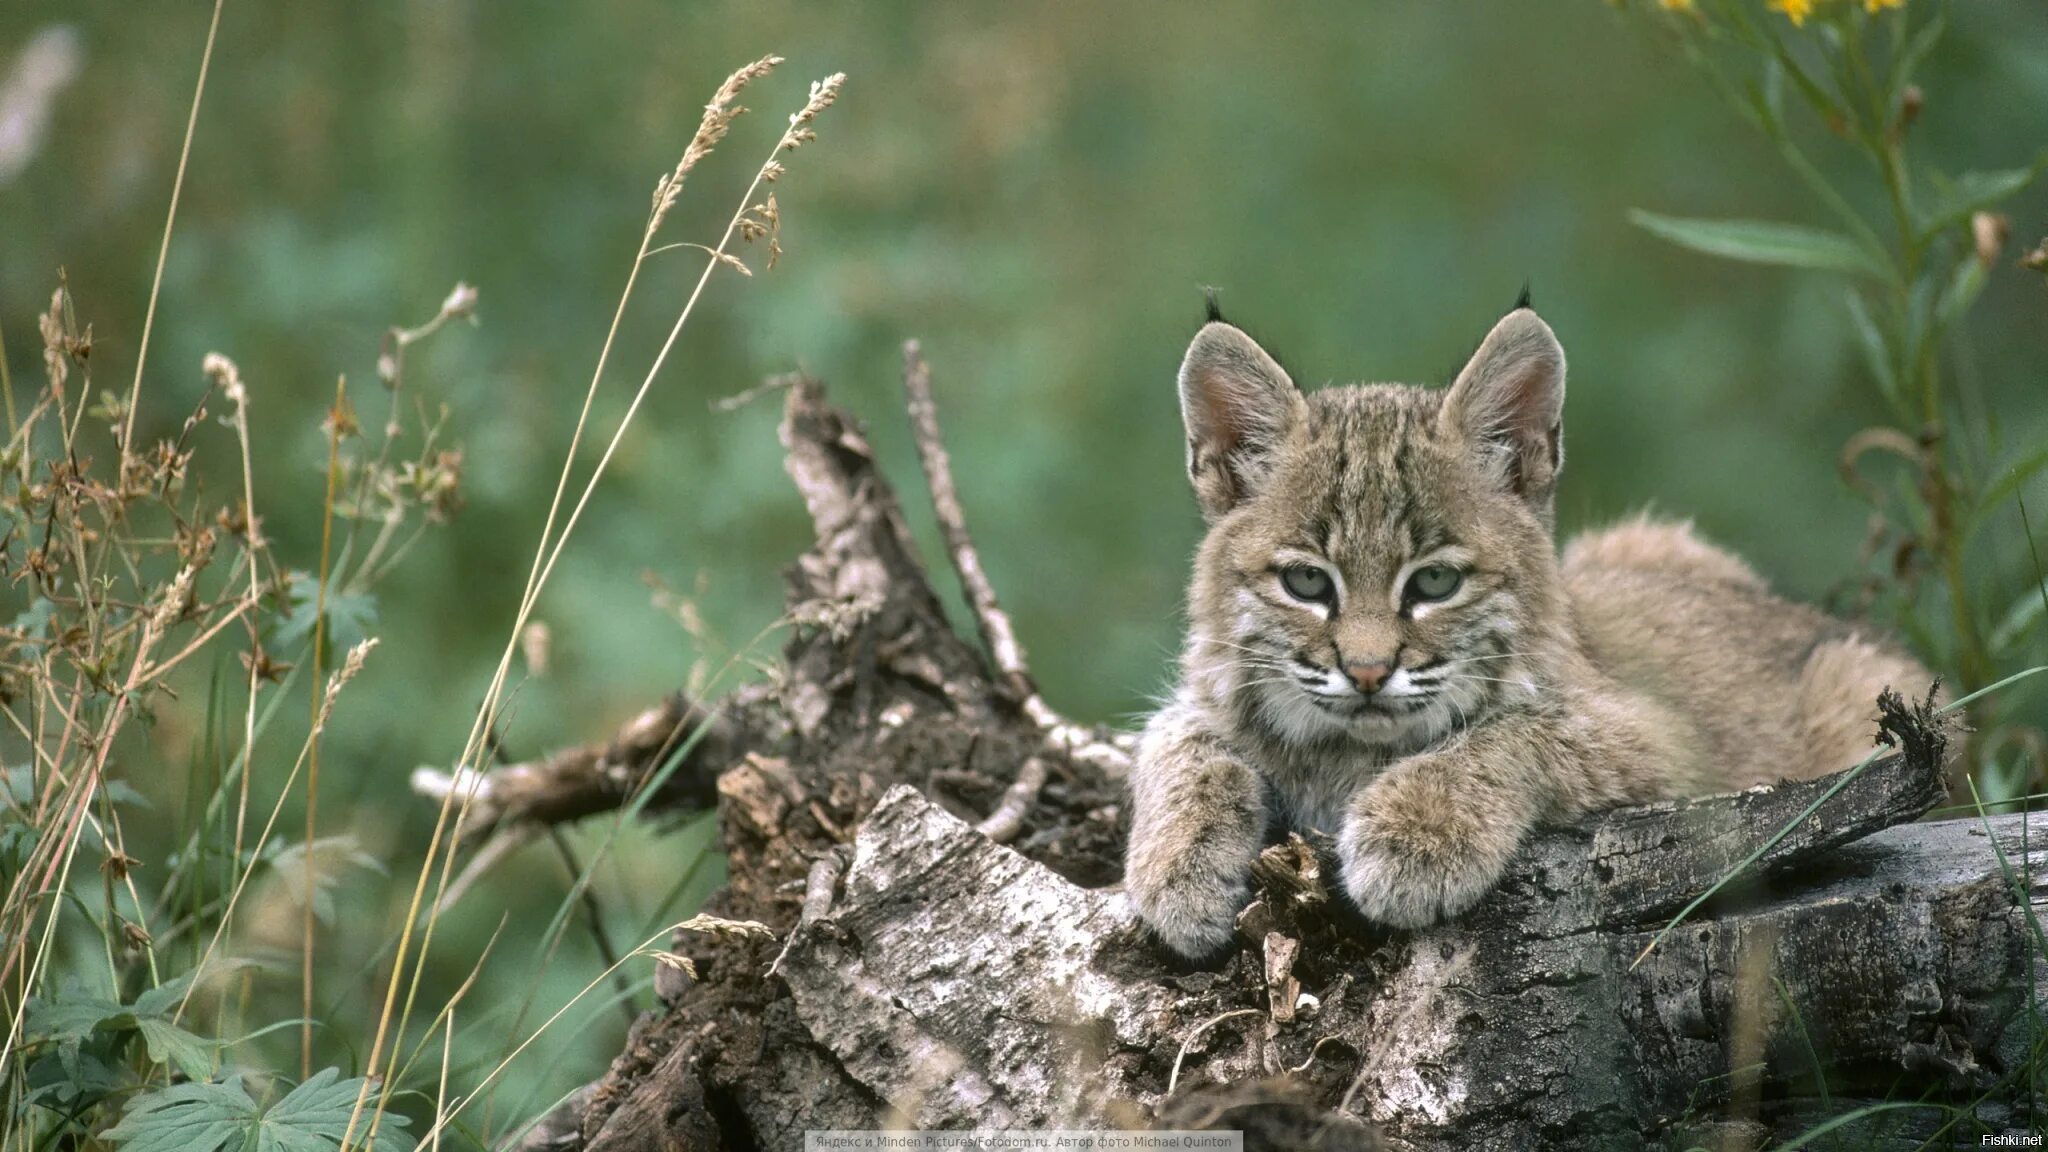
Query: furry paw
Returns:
{"type": "Point", "coordinates": [1412, 869]}
{"type": "Point", "coordinates": [1196, 917]}
{"type": "Point", "coordinates": [1197, 815]}
{"type": "Point", "coordinates": [1407, 891]}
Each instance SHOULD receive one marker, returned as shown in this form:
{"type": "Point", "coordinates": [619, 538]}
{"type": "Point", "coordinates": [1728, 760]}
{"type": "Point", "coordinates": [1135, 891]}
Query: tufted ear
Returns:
{"type": "Point", "coordinates": [1238, 404]}
{"type": "Point", "coordinates": [1508, 403]}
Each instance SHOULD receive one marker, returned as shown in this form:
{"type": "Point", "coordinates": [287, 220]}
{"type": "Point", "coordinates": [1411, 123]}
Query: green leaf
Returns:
{"type": "Point", "coordinates": [171, 1045]}
{"type": "Point", "coordinates": [315, 1115]}
{"type": "Point", "coordinates": [222, 1118]}
{"type": "Point", "coordinates": [2020, 619]}
{"type": "Point", "coordinates": [34, 624]}
{"type": "Point", "coordinates": [70, 1079]}
{"type": "Point", "coordinates": [1773, 94]}
{"type": "Point", "coordinates": [1843, 1120]}
{"type": "Point", "coordinates": [1920, 302]}
{"type": "Point", "coordinates": [1916, 51]}
{"type": "Point", "coordinates": [1972, 192]}
{"type": "Point", "coordinates": [1877, 354]}
{"type": "Point", "coordinates": [188, 1118]}
{"type": "Point", "coordinates": [163, 999]}
{"type": "Point", "coordinates": [350, 616]}
{"type": "Point", "coordinates": [70, 1018]}
{"type": "Point", "coordinates": [1765, 242]}
{"type": "Point", "coordinates": [123, 794]}
{"type": "Point", "coordinates": [332, 855]}
{"type": "Point", "coordinates": [1963, 287]}
{"type": "Point", "coordinates": [2011, 481]}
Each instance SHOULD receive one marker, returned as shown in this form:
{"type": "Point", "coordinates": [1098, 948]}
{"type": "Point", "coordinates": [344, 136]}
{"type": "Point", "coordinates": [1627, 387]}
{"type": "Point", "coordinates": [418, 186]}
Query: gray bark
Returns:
{"type": "Point", "coordinates": [929, 976]}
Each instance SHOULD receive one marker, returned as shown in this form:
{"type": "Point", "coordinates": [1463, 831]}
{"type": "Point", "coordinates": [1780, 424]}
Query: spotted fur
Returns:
{"type": "Point", "coordinates": [1644, 664]}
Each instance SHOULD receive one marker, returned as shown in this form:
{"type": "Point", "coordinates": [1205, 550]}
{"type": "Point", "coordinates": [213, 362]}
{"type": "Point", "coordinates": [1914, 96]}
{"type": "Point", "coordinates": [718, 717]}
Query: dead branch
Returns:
{"type": "Point", "coordinates": [996, 630]}
{"type": "Point", "coordinates": [572, 783]}
{"type": "Point", "coordinates": [926, 975]}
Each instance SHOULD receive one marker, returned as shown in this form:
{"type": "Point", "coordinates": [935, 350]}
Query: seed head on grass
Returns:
{"type": "Point", "coordinates": [173, 605]}
{"type": "Point", "coordinates": [435, 870]}
{"type": "Point", "coordinates": [718, 117]}
{"type": "Point", "coordinates": [347, 672]}
{"type": "Point", "coordinates": [823, 93]}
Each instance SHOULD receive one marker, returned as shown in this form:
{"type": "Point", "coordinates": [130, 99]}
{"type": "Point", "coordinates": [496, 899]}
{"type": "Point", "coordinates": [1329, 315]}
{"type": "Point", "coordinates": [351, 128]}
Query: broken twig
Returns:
{"type": "Point", "coordinates": [996, 630]}
{"type": "Point", "coordinates": [1007, 820]}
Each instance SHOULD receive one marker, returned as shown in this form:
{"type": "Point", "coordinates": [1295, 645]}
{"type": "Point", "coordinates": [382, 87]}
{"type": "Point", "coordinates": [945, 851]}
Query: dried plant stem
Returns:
{"type": "Point", "coordinates": [7, 386]}
{"type": "Point", "coordinates": [495, 850]}
{"type": "Point", "coordinates": [119, 839]}
{"type": "Point", "coordinates": [441, 1086]}
{"type": "Point", "coordinates": [444, 1114]}
{"type": "Point", "coordinates": [717, 116]}
{"type": "Point", "coordinates": [334, 427]}
{"type": "Point", "coordinates": [711, 264]}
{"type": "Point", "coordinates": [240, 608]}
{"type": "Point", "coordinates": [487, 715]}
{"type": "Point", "coordinates": [593, 916]}
{"type": "Point", "coordinates": [72, 809]}
{"type": "Point", "coordinates": [164, 249]}
{"type": "Point", "coordinates": [821, 884]}
{"type": "Point", "coordinates": [528, 598]}
{"type": "Point", "coordinates": [449, 829]}
{"type": "Point", "coordinates": [334, 685]}
{"type": "Point", "coordinates": [238, 395]}
{"type": "Point", "coordinates": [476, 971]}
{"type": "Point", "coordinates": [1173, 1080]}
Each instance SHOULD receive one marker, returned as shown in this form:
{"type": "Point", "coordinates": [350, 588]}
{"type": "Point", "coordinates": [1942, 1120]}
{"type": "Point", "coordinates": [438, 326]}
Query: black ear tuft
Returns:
{"type": "Point", "coordinates": [1213, 310]}
{"type": "Point", "coordinates": [1522, 301]}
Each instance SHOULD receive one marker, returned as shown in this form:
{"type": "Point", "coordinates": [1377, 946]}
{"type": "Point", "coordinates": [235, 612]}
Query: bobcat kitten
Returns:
{"type": "Point", "coordinates": [1384, 644]}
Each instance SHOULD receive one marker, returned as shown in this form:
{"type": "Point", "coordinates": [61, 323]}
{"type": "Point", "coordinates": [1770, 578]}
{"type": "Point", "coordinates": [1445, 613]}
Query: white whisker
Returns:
{"type": "Point", "coordinates": [1221, 643]}
{"type": "Point", "coordinates": [1272, 680]}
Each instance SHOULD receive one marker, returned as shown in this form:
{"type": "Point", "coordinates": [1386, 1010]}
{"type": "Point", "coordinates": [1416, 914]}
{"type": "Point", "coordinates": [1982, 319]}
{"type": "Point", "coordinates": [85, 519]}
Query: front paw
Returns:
{"type": "Point", "coordinates": [1195, 915]}
{"type": "Point", "coordinates": [1412, 870]}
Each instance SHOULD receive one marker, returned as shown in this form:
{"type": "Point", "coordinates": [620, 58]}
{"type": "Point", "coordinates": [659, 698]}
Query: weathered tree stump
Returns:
{"type": "Point", "coordinates": [931, 976]}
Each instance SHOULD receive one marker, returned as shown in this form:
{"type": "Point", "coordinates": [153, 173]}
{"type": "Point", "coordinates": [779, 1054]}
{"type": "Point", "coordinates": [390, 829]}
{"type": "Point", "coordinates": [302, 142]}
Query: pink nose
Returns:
{"type": "Point", "coordinates": [1369, 676]}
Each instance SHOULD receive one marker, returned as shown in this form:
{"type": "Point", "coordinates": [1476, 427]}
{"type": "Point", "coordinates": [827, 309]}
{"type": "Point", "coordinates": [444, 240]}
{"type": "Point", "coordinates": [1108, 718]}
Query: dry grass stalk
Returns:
{"type": "Point", "coordinates": [156, 283]}
{"type": "Point", "coordinates": [439, 861]}
{"type": "Point", "coordinates": [126, 588]}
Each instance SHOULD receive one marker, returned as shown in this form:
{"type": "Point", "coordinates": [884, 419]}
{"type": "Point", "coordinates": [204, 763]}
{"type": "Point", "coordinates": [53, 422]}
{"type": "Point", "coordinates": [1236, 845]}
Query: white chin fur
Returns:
{"type": "Point", "coordinates": [1300, 720]}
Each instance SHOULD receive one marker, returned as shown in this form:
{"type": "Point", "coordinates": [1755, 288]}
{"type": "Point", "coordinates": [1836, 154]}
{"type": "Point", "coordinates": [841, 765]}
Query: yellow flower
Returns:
{"type": "Point", "coordinates": [1795, 10]}
{"type": "Point", "coordinates": [1687, 5]}
{"type": "Point", "coordinates": [1875, 6]}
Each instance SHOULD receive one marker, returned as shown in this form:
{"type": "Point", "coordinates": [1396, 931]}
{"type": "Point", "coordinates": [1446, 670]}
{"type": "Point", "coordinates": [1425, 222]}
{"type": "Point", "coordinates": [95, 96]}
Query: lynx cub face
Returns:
{"type": "Point", "coordinates": [1377, 554]}
{"type": "Point", "coordinates": [1385, 645]}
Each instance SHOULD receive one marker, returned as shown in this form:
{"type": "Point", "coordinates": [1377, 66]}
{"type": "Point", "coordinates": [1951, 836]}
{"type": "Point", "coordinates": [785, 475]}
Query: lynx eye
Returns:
{"type": "Point", "coordinates": [1307, 582]}
{"type": "Point", "coordinates": [1436, 582]}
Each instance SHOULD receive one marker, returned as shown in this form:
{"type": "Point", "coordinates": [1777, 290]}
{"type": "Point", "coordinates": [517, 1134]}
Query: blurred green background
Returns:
{"type": "Point", "coordinates": [1038, 192]}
